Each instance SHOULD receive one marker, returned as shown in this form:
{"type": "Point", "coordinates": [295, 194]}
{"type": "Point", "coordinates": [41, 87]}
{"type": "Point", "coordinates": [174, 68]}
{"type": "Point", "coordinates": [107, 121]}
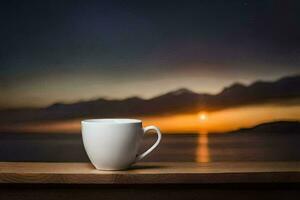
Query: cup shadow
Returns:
{"type": "Point", "coordinates": [135, 167]}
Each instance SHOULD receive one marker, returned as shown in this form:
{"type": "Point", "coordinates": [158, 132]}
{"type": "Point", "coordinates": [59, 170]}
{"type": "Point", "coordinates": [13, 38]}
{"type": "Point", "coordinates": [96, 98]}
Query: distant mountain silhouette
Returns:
{"type": "Point", "coordinates": [273, 127]}
{"type": "Point", "coordinates": [178, 101]}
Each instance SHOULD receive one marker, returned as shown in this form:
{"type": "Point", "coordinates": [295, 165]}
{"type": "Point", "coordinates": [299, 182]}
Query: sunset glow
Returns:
{"type": "Point", "coordinates": [221, 121]}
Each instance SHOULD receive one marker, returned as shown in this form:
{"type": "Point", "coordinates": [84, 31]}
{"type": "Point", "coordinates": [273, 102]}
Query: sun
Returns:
{"type": "Point", "coordinates": [202, 116]}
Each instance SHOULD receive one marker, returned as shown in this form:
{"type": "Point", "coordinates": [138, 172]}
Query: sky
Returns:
{"type": "Point", "coordinates": [66, 51]}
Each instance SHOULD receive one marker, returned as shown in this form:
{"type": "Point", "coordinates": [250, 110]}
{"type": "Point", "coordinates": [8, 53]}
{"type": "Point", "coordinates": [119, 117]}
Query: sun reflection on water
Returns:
{"type": "Point", "coordinates": [202, 151]}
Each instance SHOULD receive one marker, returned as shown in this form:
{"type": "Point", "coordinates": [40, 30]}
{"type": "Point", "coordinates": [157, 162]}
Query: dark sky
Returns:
{"type": "Point", "coordinates": [71, 50]}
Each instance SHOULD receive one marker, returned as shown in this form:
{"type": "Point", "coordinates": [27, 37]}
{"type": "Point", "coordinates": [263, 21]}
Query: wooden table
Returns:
{"type": "Point", "coordinates": [237, 180]}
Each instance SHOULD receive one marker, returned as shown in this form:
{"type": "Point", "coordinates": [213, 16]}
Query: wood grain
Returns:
{"type": "Point", "coordinates": [152, 173]}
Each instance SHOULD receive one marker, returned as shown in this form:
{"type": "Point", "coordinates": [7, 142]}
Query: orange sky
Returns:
{"type": "Point", "coordinates": [220, 121]}
{"type": "Point", "coordinates": [225, 120]}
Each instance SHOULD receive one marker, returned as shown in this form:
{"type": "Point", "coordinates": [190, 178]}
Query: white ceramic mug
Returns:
{"type": "Point", "coordinates": [112, 144]}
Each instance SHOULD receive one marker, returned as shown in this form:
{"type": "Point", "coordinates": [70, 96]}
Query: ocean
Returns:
{"type": "Point", "coordinates": [233, 147]}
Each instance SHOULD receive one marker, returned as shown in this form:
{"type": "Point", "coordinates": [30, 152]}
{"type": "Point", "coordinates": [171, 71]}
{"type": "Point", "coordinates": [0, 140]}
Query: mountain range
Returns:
{"type": "Point", "coordinates": [281, 127]}
{"type": "Point", "coordinates": [179, 101]}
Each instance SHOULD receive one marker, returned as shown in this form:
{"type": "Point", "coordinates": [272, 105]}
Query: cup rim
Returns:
{"type": "Point", "coordinates": [111, 121]}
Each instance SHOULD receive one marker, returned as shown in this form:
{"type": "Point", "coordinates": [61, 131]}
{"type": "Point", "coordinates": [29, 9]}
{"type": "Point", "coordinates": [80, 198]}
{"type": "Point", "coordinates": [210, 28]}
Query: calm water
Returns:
{"type": "Point", "coordinates": [179, 147]}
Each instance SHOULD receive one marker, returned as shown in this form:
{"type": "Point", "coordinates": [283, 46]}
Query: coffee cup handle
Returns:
{"type": "Point", "coordinates": [147, 130]}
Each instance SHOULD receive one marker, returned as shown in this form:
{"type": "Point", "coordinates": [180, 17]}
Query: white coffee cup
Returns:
{"type": "Point", "coordinates": [112, 144]}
